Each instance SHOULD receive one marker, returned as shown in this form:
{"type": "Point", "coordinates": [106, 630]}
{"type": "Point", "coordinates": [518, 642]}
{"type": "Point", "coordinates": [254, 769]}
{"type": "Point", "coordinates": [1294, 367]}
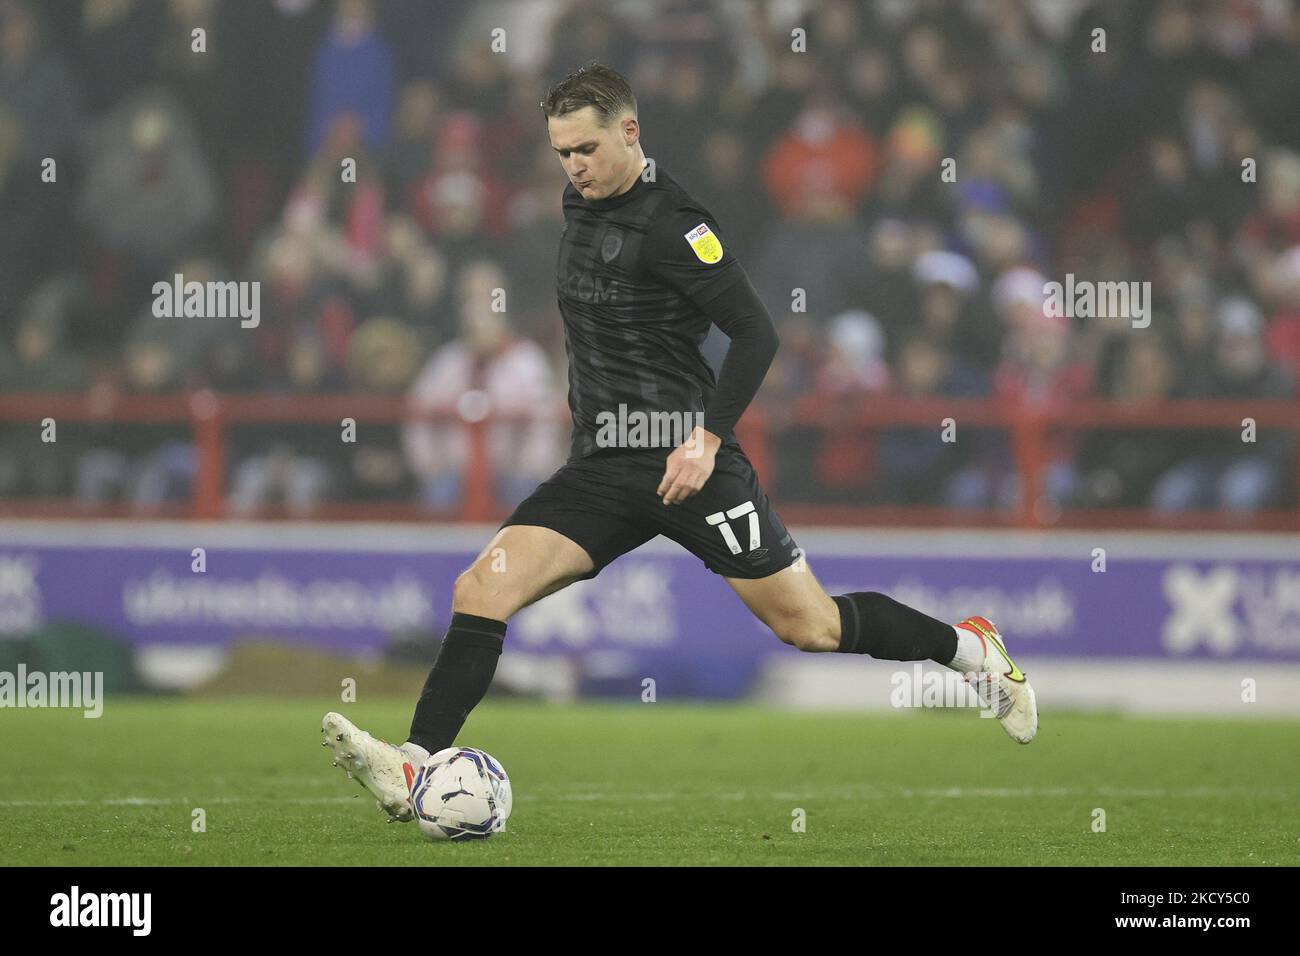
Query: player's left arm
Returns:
{"type": "Point", "coordinates": [702, 269]}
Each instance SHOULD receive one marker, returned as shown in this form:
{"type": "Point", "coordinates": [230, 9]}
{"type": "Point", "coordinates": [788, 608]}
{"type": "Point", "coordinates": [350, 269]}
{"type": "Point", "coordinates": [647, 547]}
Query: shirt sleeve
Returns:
{"type": "Point", "coordinates": [740, 313]}
{"type": "Point", "coordinates": [686, 251]}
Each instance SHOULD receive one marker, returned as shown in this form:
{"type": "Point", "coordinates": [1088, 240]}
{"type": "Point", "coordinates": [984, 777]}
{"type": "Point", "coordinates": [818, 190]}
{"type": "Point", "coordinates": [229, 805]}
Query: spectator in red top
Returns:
{"type": "Point", "coordinates": [1276, 225]}
{"type": "Point", "coordinates": [824, 154]}
{"type": "Point", "coordinates": [854, 369]}
{"type": "Point", "coordinates": [486, 370]}
{"type": "Point", "coordinates": [323, 197]}
{"type": "Point", "coordinates": [458, 201]}
{"type": "Point", "coordinates": [1039, 369]}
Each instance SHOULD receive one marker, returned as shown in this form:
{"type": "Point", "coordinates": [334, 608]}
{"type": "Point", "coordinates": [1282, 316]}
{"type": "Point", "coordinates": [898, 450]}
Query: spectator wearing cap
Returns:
{"type": "Point", "coordinates": [952, 309]}
{"type": "Point", "coordinates": [912, 151]}
{"type": "Point", "coordinates": [1039, 369]}
{"type": "Point", "coordinates": [853, 370]}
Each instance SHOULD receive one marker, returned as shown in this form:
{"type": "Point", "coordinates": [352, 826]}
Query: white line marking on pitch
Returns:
{"type": "Point", "coordinates": [928, 792]}
{"type": "Point", "coordinates": [170, 801]}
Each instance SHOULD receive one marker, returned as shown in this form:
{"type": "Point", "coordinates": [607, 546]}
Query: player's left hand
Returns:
{"type": "Point", "coordinates": [689, 466]}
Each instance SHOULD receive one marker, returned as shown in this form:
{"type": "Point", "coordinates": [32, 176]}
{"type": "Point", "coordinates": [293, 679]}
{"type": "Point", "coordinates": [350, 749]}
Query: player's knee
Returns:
{"type": "Point", "coordinates": [466, 589]}
{"type": "Point", "coordinates": [475, 592]}
{"type": "Point", "coordinates": [805, 633]}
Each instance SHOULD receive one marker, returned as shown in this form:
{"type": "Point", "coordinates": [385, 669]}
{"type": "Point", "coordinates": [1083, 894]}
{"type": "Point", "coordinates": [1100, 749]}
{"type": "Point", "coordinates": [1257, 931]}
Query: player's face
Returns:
{"type": "Point", "coordinates": [598, 160]}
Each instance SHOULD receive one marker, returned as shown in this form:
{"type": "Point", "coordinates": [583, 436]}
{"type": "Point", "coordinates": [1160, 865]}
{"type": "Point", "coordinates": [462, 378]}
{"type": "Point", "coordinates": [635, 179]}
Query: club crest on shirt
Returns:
{"type": "Point", "coordinates": [704, 244]}
{"type": "Point", "coordinates": [611, 244]}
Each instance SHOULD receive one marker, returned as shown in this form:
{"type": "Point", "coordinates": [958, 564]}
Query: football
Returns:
{"type": "Point", "coordinates": [461, 794]}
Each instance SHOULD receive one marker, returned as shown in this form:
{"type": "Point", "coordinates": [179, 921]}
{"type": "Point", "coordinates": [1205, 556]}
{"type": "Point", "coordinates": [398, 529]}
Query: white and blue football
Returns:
{"type": "Point", "coordinates": [461, 794]}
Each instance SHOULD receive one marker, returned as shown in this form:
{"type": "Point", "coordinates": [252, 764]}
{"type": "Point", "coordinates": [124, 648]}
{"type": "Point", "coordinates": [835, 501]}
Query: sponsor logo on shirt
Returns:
{"type": "Point", "coordinates": [587, 287]}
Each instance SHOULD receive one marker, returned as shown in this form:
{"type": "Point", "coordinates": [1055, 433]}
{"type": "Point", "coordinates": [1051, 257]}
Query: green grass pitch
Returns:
{"type": "Point", "coordinates": [656, 784]}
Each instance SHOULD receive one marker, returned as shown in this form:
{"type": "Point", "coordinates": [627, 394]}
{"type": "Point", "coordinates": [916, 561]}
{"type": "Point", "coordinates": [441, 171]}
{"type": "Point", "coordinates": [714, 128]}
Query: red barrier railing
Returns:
{"type": "Point", "coordinates": [211, 418]}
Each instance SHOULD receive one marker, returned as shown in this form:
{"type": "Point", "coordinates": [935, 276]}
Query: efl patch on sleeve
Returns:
{"type": "Point", "coordinates": [705, 244]}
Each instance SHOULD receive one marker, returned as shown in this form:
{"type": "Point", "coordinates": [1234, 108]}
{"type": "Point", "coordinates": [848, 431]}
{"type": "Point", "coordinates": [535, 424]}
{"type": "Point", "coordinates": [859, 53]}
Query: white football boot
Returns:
{"type": "Point", "coordinates": [383, 769]}
{"type": "Point", "coordinates": [1001, 685]}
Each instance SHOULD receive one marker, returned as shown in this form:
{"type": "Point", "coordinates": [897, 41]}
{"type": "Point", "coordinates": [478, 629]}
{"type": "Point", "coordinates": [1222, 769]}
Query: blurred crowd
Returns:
{"type": "Point", "coordinates": [1171, 155]}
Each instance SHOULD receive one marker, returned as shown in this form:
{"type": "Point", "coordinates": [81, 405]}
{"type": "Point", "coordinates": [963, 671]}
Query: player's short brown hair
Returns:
{"type": "Point", "coordinates": [595, 85]}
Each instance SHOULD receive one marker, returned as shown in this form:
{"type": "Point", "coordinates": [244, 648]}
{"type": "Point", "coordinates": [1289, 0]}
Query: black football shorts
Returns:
{"type": "Point", "coordinates": [606, 503]}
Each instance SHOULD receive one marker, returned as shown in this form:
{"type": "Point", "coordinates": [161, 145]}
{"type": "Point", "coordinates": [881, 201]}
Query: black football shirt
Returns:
{"type": "Point", "coordinates": [634, 275]}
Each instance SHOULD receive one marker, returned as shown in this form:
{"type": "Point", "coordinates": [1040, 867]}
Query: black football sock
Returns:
{"type": "Point", "coordinates": [460, 677]}
{"type": "Point", "coordinates": [876, 624]}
